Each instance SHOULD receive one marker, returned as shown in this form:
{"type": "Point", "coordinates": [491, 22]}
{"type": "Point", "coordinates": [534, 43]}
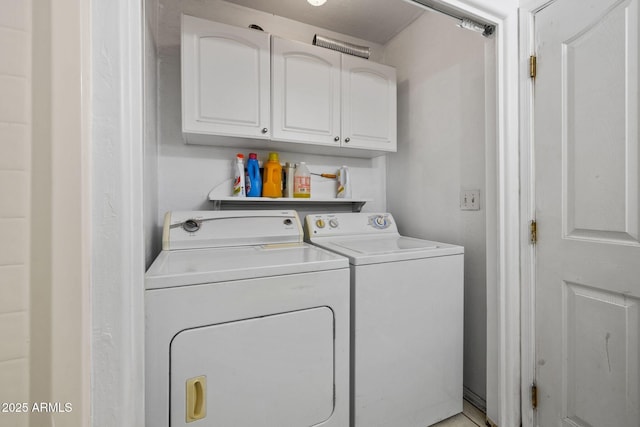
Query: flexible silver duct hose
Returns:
{"type": "Point", "coordinates": [340, 46]}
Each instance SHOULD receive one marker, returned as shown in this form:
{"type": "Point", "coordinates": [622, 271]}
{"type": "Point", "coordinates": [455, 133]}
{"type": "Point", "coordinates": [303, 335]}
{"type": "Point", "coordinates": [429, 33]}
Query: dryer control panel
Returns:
{"type": "Point", "coordinates": [347, 224]}
{"type": "Point", "coordinates": [213, 229]}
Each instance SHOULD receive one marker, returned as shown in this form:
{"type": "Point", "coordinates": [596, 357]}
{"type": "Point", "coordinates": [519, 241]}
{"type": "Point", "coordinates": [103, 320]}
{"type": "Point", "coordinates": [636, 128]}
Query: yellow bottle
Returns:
{"type": "Point", "coordinates": [272, 179]}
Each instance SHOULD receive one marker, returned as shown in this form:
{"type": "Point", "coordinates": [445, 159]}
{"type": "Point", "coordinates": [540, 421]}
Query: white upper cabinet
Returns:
{"type": "Point", "coordinates": [243, 83]}
{"type": "Point", "coordinates": [305, 93]}
{"type": "Point", "coordinates": [368, 105]}
{"type": "Point", "coordinates": [320, 96]}
{"type": "Point", "coordinates": [225, 80]}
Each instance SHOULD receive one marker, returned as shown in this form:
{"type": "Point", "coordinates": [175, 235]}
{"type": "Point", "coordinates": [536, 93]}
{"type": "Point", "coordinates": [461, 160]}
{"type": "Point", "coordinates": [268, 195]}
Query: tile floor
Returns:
{"type": "Point", "coordinates": [470, 417]}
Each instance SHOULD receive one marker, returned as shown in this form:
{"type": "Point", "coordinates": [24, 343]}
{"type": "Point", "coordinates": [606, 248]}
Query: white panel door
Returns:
{"type": "Point", "coordinates": [588, 252]}
{"type": "Point", "coordinates": [305, 93]}
{"type": "Point", "coordinates": [368, 105]}
{"type": "Point", "coordinates": [271, 371]}
{"type": "Point", "coordinates": [225, 79]}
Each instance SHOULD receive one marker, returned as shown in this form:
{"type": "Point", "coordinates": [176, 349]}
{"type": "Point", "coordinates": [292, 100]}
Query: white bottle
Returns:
{"type": "Point", "coordinates": [238, 178]}
{"type": "Point", "coordinates": [302, 182]}
{"type": "Point", "coordinates": [344, 183]}
{"type": "Point", "coordinates": [290, 170]}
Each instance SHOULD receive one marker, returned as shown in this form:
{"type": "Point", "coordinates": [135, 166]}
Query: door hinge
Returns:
{"type": "Point", "coordinates": [532, 66]}
{"type": "Point", "coordinates": [534, 396]}
{"type": "Point", "coordinates": [533, 232]}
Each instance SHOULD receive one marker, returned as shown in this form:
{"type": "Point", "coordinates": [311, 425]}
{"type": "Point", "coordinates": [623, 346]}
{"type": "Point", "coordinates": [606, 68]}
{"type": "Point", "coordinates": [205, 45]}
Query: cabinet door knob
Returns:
{"type": "Point", "coordinates": [347, 139]}
{"type": "Point", "coordinates": [337, 138]}
{"type": "Point", "coordinates": [265, 130]}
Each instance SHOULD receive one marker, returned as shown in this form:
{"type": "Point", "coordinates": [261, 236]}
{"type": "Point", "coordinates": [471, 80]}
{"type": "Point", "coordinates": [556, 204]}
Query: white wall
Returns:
{"type": "Point", "coordinates": [441, 150]}
{"type": "Point", "coordinates": [39, 369]}
{"type": "Point", "coordinates": [59, 362]}
{"type": "Point", "coordinates": [150, 205]}
{"type": "Point", "coordinates": [15, 194]}
{"type": "Point", "coordinates": [186, 173]}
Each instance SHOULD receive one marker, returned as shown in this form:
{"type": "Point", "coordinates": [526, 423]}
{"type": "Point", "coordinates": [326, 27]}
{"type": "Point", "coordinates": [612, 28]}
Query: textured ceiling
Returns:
{"type": "Point", "coordinates": [373, 20]}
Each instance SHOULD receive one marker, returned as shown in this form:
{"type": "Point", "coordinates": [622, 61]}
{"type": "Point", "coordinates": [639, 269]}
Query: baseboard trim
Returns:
{"type": "Point", "coordinates": [490, 423]}
{"type": "Point", "coordinates": [476, 400]}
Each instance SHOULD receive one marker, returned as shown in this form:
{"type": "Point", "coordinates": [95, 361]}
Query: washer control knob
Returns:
{"type": "Point", "coordinates": [191, 226]}
{"type": "Point", "coordinates": [379, 221]}
{"type": "Point", "coordinates": [333, 223]}
{"type": "Point", "coordinates": [320, 223]}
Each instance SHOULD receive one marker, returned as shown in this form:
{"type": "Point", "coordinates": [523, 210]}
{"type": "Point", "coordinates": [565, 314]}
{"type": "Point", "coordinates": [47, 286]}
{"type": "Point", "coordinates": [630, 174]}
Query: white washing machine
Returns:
{"type": "Point", "coordinates": [406, 319]}
{"type": "Point", "coordinates": [246, 325]}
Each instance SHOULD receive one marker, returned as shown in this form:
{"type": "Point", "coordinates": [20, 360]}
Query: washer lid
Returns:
{"type": "Point", "coordinates": [370, 250]}
{"type": "Point", "coordinates": [385, 246]}
{"type": "Point", "coordinates": [212, 265]}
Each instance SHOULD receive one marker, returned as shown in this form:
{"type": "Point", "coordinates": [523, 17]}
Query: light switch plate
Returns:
{"type": "Point", "coordinates": [470, 200]}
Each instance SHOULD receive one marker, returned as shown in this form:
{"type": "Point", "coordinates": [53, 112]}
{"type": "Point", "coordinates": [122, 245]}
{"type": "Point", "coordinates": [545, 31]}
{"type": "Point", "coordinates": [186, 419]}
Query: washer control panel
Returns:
{"type": "Point", "coordinates": [344, 224]}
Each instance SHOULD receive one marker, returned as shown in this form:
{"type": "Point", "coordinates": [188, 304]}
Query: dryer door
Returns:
{"type": "Point", "coordinates": [270, 371]}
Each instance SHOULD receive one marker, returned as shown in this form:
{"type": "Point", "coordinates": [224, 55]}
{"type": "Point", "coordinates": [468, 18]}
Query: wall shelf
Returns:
{"type": "Point", "coordinates": [221, 203]}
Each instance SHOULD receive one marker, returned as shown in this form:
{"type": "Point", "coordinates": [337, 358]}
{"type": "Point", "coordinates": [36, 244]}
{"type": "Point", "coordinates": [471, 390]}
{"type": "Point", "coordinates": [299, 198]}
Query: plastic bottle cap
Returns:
{"type": "Point", "coordinates": [253, 156]}
{"type": "Point", "coordinates": [240, 156]}
{"type": "Point", "coordinates": [273, 157]}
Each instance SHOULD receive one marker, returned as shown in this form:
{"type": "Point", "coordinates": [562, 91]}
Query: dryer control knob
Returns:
{"type": "Point", "coordinates": [333, 223]}
{"type": "Point", "coordinates": [320, 223]}
{"type": "Point", "coordinates": [191, 226]}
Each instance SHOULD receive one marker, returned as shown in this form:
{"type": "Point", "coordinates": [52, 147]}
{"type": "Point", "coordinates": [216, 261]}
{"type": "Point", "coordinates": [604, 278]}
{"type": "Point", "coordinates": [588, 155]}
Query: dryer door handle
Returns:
{"type": "Point", "coordinates": [196, 398]}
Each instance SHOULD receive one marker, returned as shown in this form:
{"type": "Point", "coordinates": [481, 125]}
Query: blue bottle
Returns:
{"type": "Point", "coordinates": [254, 183]}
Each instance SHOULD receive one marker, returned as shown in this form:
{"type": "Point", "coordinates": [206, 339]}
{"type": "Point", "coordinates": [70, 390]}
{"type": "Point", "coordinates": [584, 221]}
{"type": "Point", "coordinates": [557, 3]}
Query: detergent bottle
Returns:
{"type": "Point", "coordinates": [238, 177]}
{"type": "Point", "coordinates": [253, 183]}
{"type": "Point", "coordinates": [272, 179]}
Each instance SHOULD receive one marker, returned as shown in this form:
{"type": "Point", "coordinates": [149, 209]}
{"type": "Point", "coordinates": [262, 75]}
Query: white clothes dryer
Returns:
{"type": "Point", "coordinates": [406, 319]}
{"type": "Point", "coordinates": [246, 325]}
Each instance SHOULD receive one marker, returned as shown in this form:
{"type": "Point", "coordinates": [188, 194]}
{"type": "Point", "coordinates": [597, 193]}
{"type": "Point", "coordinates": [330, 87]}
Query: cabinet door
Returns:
{"type": "Point", "coordinates": [225, 79]}
{"type": "Point", "coordinates": [368, 105]}
{"type": "Point", "coordinates": [305, 93]}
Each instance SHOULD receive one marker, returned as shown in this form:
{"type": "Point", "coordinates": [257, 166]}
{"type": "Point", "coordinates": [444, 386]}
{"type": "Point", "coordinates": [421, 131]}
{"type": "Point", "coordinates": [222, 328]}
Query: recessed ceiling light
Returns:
{"type": "Point", "coordinates": [316, 2]}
